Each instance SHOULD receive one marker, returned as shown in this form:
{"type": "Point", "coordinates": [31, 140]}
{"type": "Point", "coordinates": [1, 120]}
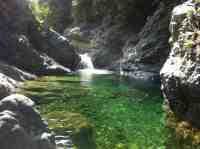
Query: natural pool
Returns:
{"type": "Point", "coordinates": [102, 111]}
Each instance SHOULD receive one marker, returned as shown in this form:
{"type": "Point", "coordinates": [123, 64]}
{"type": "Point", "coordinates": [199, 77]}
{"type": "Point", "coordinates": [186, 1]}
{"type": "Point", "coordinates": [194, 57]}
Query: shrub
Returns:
{"type": "Point", "coordinates": [40, 10]}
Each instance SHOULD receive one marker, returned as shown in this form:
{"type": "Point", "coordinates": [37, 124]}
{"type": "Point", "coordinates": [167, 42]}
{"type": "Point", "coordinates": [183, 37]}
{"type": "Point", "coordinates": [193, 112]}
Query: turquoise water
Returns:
{"type": "Point", "coordinates": [103, 111]}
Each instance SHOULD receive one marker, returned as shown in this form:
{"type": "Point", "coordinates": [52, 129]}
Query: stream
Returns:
{"type": "Point", "coordinates": [98, 109]}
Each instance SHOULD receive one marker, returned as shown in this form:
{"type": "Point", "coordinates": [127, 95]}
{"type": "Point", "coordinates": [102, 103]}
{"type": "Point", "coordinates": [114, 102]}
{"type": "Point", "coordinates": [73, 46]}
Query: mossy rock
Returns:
{"type": "Point", "coordinates": [183, 134]}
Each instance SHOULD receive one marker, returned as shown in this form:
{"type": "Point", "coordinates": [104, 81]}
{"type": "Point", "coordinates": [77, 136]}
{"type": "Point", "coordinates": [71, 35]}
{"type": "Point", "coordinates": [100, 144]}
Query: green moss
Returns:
{"type": "Point", "coordinates": [183, 134]}
{"type": "Point", "coordinates": [189, 44]}
{"type": "Point", "coordinates": [81, 129]}
{"type": "Point", "coordinates": [59, 120]}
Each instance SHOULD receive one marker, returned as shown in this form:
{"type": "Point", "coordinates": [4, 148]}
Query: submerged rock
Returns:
{"type": "Point", "coordinates": [21, 127]}
{"type": "Point", "coordinates": [73, 130]}
{"type": "Point", "coordinates": [180, 74]}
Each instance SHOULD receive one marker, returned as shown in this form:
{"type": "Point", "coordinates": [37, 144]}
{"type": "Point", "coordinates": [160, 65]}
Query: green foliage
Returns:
{"type": "Point", "coordinates": [183, 134]}
{"type": "Point", "coordinates": [190, 13]}
{"type": "Point", "coordinates": [189, 44]}
{"type": "Point", "coordinates": [197, 1]}
{"type": "Point", "coordinates": [40, 10]}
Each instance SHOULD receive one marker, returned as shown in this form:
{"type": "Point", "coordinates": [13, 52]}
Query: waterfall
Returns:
{"type": "Point", "coordinates": [87, 69]}
{"type": "Point", "coordinates": [120, 67]}
{"type": "Point", "coordinates": [86, 61]}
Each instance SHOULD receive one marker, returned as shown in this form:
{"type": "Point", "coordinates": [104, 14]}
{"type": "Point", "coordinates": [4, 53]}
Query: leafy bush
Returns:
{"type": "Point", "coordinates": [40, 10]}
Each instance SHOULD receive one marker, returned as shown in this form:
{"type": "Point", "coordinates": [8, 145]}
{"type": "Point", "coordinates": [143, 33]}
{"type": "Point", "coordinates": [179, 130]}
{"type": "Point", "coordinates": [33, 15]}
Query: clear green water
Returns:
{"type": "Point", "coordinates": [107, 112]}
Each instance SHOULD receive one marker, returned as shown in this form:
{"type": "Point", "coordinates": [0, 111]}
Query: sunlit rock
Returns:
{"type": "Point", "coordinates": [21, 127]}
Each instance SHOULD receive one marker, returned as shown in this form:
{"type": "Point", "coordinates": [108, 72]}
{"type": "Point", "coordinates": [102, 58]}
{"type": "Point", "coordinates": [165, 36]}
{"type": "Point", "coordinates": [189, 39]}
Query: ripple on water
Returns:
{"type": "Point", "coordinates": [63, 142]}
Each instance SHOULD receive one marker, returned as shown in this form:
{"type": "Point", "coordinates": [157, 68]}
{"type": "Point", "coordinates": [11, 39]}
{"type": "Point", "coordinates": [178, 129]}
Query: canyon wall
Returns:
{"type": "Point", "coordinates": [127, 35]}
{"type": "Point", "coordinates": [180, 74]}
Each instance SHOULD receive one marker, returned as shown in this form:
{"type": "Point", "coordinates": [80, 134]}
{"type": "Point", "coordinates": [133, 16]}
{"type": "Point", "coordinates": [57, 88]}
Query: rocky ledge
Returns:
{"type": "Point", "coordinates": [180, 74]}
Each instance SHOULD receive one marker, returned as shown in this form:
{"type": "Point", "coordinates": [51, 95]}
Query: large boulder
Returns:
{"type": "Point", "coordinates": [27, 58]}
{"type": "Point", "coordinates": [21, 127]}
{"type": "Point", "coordinates": [7, 85]}
{"type": "Point", "coordinates": [11, 77]}
{"type": "Point", "coordinates": [15, 73]}
{"type": "Point", "coordinates": [181, 73]}
{"type": "Point", "coordinates": [51, 67]}
{"type": "Point", "coordinates": [60, 49]}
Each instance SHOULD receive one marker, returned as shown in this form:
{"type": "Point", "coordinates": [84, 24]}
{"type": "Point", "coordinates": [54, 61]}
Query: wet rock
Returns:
{"type": "Point", "coordinates": [141, 72]}
{"type": "Point", "coordinates": [10, 78]}
{"type": "Point", "coordinates": [15, 73]}
{"type": "Point", "coordinates": [51, 67]}
{"type": "Point", "coordinates": [63, 142]}
{"type": "Point", "coordinates": [7, 85]}
{"type": "Point", "coordinates": [22, 126]}
{"type": "Point", "coordinates": [180, 74]}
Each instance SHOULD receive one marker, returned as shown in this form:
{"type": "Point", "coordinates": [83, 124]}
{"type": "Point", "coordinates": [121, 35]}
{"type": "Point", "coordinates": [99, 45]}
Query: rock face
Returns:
{"type": "Point", "coordinates": [180, 74]}
{"type": "Point", "coordinates": [139, 49]}
{"type": "Point", "coordinates": [129, 37]}
{"type": "Point", "coordinates": [150, 47]}
{"type": "Point", "coordinates": [109, 40]}
{"type": "Point", "coordinates": [60, 49]}
{"type": "Point", "coordinates": [21, 126]}
{"type": "Point", "coordinates": [15, 73]}
{"type": "Point", "coordinates": [10, 78]}
{"type": "Point", "coordinates": [22, 45]}
{"type": "Point", "coordinates": [147, 51]}
{"type": "Point", "coordinates": [7, 85]}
